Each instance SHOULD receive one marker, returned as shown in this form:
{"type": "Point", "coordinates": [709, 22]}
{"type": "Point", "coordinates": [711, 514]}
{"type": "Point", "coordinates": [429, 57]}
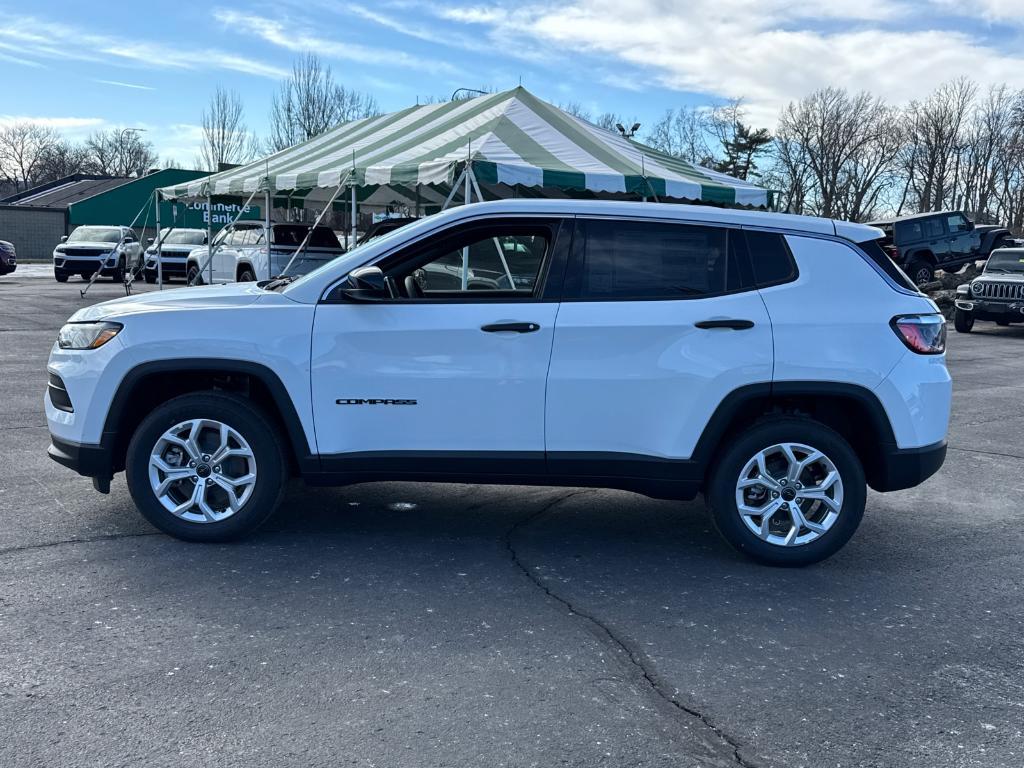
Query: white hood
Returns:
{"type": "Point", "coordinates": [178, 299]}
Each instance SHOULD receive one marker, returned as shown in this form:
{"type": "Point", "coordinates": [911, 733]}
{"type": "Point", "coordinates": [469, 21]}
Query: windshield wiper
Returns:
{"type": "Point", "coordinates": [276, 283]}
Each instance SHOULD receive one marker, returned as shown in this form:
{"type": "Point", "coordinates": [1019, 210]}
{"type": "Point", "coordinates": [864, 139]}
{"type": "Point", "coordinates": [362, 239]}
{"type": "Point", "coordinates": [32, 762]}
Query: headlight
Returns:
{"type": "Point", "coordinates": [87, 335]}
{"type": "Point", "coordinates": [59, 249]}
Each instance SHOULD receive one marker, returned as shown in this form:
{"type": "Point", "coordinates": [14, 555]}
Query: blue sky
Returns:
{"type": "Point", "coordinates": [81, 66]}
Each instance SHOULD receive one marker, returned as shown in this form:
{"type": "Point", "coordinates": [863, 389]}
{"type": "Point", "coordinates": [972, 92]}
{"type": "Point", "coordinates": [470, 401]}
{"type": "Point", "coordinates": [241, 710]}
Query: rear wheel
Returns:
{"type": "Point", "coordinates": [790, 491]}
{"type": "Point", "coordinates": [963, 321]}
{"type": "Point", "coordinates": [206, 467]}
{"type": "Point", "coordinates": [921, 271]}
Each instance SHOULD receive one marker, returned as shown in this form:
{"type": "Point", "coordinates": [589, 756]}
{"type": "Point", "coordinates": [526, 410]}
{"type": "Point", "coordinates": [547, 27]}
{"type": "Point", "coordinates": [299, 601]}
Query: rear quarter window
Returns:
{"type": "Point", "coordinates": [874, 251]}
{"type": "Point", "coordinates": [771, 258]}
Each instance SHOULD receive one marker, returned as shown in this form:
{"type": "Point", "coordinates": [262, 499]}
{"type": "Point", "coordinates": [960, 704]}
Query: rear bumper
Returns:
{"type": "Point", "coordinates": [900, 468]}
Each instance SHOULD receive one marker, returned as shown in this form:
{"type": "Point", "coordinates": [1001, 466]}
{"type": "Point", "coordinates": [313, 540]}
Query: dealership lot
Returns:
{"type": "Point", "coordinates": [399, 624]}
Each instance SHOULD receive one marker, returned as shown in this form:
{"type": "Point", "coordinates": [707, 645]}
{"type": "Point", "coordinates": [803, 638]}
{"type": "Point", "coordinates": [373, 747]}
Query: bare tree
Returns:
{"type": "Point", "coordinates": [847, 145]}
{"type": "Point", "coordinates": [23, 146]}
{"type": "Point", "coordinates": [120, 153]}
{"type": "Point", "coordinates": [63, 158]}
{"type": "Point", "coordinates": [310, 103]}
{"type": "Point", "coordinates": [225, 136]}
{"type": "Point", "coordinates": [682, 132]}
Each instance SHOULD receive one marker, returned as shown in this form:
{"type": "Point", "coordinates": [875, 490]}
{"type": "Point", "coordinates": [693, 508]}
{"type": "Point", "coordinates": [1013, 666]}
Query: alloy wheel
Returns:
{"type": "Point", "coordinates": [789, 494]}
{"type": "Point", "coordinates": [202, 470]}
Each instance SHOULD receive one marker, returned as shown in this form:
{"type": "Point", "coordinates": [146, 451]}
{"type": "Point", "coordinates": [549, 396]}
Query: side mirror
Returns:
{"type": "Point", "coordinates": [63, 238]}
{"type": "Point", "coordinates": [970, 225]}
{"type": "Point", "coordinates": [150, 241]}
{"type": "Point", "coordinates": [366, 284]}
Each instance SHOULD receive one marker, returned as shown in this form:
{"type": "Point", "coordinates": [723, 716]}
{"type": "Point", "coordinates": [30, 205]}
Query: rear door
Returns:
{"type": "Point", "coordinates": [659, 322]}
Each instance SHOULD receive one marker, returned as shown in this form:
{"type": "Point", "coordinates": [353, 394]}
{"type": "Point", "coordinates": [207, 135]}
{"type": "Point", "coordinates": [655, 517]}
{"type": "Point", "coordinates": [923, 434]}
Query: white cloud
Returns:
{"type": "Point", "coordinates": [59, 123]}
{"type": "Point", "coordinates": [43, 39]}
{"type": "Point", "coordinates": [767, 52]}
{"type": "Point", "coordinates": [300, 39]}
{"type": "Point", "coordinates": [119, 84]}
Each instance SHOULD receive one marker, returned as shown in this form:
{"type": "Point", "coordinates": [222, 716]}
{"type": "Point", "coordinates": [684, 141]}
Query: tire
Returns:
{"type": "Point", "coordinates": [192, 277]}
{"type": "Point", "coordinates": [246, 275]}
{"type": "Point", "coordinates": [850, 492]}
{"type": "Point", "coordinates": [118, 274]}
{"type": "Point", "coordinates": [60, 277]}
{"type": "Point", "coordinates": [149, 277]}
{"type": "Point", "coordinates": [921, 271]}
{"type": "Point", "coordinates": [963, 321]}
{"type": "Point", "coordinates": [252, 434]}
{"type": "Point", "coordinates": [1003, 323]}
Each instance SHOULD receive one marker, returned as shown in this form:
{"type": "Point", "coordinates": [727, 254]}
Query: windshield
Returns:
{"type": "Point", "coordinates": [184, 237]}
{"type": "Point", "coordinates": [95, 235]}
{"type": "Point", "coordinates": [1006, 261]}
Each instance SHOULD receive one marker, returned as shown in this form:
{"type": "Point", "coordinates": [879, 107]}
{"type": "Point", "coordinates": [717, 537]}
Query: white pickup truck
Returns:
{"type": "Point", "coordinates": [240, 253]}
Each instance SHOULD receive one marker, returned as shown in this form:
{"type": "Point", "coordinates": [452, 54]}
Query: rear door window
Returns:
{"type": "Point", "coordinates": [639, 260]}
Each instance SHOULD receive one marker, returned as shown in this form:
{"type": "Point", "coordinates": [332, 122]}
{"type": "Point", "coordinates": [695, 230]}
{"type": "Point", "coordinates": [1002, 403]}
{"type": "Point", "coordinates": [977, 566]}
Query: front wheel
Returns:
{"type": "Point", "coordinates": [963, 321]}
{"type": "Point", "coordinates": [246, 276]}
{"type": "Point", "coordinates": [206, 467]}
{"type": "Point", "coordinates": [60, 277]}
{"type": "Point", "coordinates": [149, 277]}
{"type": "Point", "coordinates": [192, 277]}
{"type": "Point", "coordinates": [789, 491]}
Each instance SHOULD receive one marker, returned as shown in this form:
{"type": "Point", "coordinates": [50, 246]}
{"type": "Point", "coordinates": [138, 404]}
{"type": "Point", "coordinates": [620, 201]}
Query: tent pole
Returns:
{"type": "Point", "coordinates": [159, 246]}
{"type": "Point", "coordinates": [309, 234]}
{"type": "Point", "coordinates": [209, 233]}
{"type": "Point", "coordinates": [268, 228]}
{"type": "Point", "coordinates": [455, 188]}
{"type": "Point", "coordinates": [355, 213]}
{"type": "Point", "coordinates": [465, 248]}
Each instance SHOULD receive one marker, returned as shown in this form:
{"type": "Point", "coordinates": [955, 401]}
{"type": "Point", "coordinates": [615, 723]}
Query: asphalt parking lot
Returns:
{"type": "Point", "coordinates": [429, 625]}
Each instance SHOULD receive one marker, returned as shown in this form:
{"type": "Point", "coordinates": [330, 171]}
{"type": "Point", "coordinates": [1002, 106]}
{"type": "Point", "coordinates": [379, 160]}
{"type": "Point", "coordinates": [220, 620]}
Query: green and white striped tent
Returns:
{"type": "Point", "coordinates": [510, 140]}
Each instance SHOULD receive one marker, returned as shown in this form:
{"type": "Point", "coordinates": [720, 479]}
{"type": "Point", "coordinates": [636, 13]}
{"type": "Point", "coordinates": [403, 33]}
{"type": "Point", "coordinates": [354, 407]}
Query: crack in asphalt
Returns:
{"type": "Point", "coordinates": [635, 658]}
{"type": "Point", "coordinates": [86, 540]}
{"type": "Point", "coordinates": [987, 453]}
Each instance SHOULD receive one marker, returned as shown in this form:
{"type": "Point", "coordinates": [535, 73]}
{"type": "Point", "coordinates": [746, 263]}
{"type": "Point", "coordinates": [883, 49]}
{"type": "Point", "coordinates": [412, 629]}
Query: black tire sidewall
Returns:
{"type": "Point", "coordinates": [61, 277]}
{"type": "Point", "coordinates": [721, 492]}
{"type": "Point", "coordinates": [257, 429]}
{"type": "Point", "coordinates": [192, 276]}
{"type": "Point", "coordinates": [246, 276]}
{"type": "Point", "coordinates": [963, 322]}
{"type": "Point", "coordinates": [917, 266]}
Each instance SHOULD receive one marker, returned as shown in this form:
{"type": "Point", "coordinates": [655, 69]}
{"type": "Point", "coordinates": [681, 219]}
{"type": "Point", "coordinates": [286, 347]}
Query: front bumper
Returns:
{"type": "Point", "coordinates": [85, 266]}
{"type": "Point", "coordinates": [7, 268]}
{"type": "Point", "coordinates": [170, 268]}
{"type": "Point", "coordinates": [900, 468]}
{"type": "Point", "coordinates": [983, 309]}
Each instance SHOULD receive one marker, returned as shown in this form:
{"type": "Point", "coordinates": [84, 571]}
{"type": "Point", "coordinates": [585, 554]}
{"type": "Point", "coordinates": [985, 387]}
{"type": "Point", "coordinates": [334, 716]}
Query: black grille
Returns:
{"type": "Point", "coordinates": [87, 251]}
{"type": "Point", "coordinates": [992, 290]}
{"type": "Point", "coordinates": [59, 394]}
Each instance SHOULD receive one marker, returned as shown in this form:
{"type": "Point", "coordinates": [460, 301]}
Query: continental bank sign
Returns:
{"type": "Point", "coordinates": [199, 215]}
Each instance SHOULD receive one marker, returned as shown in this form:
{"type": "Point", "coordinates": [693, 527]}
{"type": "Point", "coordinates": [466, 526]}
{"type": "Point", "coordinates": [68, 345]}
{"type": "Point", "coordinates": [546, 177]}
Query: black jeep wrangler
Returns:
{"type": "Point", "coordinates": [945, 240]}
{"type": "Point", "coordinates": [997, 294]}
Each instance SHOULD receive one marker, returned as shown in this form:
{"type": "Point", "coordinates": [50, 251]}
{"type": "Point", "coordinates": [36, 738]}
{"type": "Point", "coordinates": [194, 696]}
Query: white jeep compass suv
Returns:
{"type": "Point", "coordinates": [778, 364]}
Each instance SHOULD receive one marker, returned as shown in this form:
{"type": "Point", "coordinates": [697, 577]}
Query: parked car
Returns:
{"type": "Point", "coordinates": [240, 253]}
{"type": "Point", "coordinates": [945, 240]}
{"type": "Point", "coordinates": [8, 258]}
{"type": "Point", "coordinates": [90, 249]}
{"type": "Point", "coordinates": [996, 295]}
{"type": "Point", "coordinates": [176, 245]}
{"type": "Point", "coordinates": [382, 227]}
{"type": "Point", "coordinates": [777, 363]}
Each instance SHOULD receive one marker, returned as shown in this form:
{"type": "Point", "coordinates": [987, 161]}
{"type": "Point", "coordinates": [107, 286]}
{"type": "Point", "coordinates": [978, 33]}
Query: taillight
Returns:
{"type": "Point", "coordinates": [893, 252]}
{"type": "Point", "coordinates": [924, 334]}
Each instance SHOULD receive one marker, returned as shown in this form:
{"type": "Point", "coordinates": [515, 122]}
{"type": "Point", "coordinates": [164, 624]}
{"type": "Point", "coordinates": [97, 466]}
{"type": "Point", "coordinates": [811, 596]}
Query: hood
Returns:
{"type": "Point", "coordinates": [176, 300]}
{"type": "Point", "coordinates": [999, 277]}
{"type": "Point", "coordinates": [89, 244]}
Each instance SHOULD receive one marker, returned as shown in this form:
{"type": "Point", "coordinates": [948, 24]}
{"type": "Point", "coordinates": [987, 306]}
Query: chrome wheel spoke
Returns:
{"type": "Point", "coordinates": [217, 492]}
{"type": "Point", "coordinates": [805, 474]}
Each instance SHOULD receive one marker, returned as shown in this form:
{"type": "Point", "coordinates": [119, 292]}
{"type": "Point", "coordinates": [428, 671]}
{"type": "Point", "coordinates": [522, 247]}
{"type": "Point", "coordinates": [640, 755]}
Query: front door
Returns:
{"type": "Point", "coordinates": [449, 373]}
{"type": "Point", "coordinates": [659, 322]}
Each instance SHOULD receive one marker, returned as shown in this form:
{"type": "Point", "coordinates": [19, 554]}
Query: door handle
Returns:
{"type": "Point", "coordinates": [513, 327]}
{"type": "Point", "coordinates": [735, 325]}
